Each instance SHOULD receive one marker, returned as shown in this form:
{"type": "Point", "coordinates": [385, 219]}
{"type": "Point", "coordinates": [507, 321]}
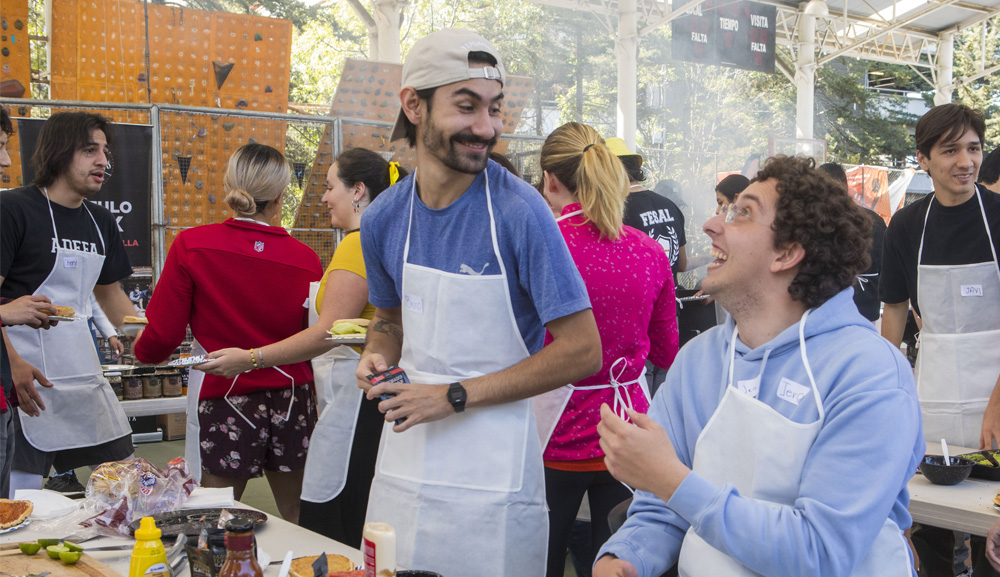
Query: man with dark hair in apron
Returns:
{"type": "Point", "coordinates": [467, 269]}
{"type": "Point", "coordinates": [940, 256]}
{"type": "Point", "coordinates": [54, 243]}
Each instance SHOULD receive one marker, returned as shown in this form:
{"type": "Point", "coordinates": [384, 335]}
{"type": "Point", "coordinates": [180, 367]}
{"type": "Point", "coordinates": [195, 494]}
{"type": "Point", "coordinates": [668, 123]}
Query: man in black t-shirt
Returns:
{"type": "Point", "coordinates": [940, 257]}
{"type": "Point", "coordinates": [649, 212]}
{"type": "Point", "coordinates": [866, 288]}
{"type": "Point", "coordinates": [55, 243]}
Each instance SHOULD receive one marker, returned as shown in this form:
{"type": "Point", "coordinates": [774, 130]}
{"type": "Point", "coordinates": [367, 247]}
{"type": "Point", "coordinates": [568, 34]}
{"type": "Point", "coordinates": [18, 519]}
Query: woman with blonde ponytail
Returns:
{"type": "Point", "coordinates": [343, 447]}
{"type": "Point", "coordinates": [241, 283]}
{"type": "Point", "coordinates": [632, 292]}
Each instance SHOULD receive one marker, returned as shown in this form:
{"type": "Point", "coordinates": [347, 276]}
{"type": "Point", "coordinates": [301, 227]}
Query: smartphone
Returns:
{"type": "Point", "coordinates": [391, 375]}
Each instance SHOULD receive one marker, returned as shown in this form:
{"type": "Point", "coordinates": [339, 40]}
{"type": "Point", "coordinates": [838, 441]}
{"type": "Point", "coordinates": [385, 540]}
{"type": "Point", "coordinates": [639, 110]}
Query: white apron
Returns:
{"type": "Point", "coordinates": [192, 432]}
{"type": "Point", "coordinates": [749, 444]}
{"type": "Point", "coordinates": [549, 406]}
{"type": "Point", "coordinates": [466, 494]}
{"type": "Point", "coordinates": [959, 357]}
{"type": "Point", "coordinates": [338, 401]}
{"type": "Point", "coordinates": [81, 410]}
{"type": "Point", "coordinates": [192, 438]}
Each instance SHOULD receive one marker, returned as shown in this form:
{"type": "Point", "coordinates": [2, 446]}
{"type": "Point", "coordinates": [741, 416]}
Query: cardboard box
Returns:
{"type": "Point", "coordinates": [173, 425]}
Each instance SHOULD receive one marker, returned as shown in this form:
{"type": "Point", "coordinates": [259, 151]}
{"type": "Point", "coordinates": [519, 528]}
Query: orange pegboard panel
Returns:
{"type": "Point", "coordinates": [15, 74]}
{"type": "Point", "coordinates": [99, 49]}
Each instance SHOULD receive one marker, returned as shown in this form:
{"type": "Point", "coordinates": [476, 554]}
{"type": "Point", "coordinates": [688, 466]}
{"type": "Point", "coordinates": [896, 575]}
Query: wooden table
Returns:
{"type": "Point", "coordinates": [966, 507]}
{"type": "Point", "coordinates": [276, 537]}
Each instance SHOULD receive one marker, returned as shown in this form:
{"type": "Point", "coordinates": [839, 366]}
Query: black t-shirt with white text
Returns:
{"type": "Point", "coordinates": [27, 245]}
{"type": "Point", "coordinates": [955, 235]}
{"type": "Point", "coordinates": [658, 217]}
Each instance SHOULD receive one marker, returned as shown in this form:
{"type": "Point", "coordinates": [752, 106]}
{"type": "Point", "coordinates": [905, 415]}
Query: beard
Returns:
{"type": "Point", "coordinates": [443, 148]}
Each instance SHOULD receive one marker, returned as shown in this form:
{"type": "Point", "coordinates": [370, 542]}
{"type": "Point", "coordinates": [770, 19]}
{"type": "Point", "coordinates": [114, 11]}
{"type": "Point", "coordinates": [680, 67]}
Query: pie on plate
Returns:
{"type": "Point", "coordinates": [302, 567]}
{"type": "Point", "coordinates": [14, 513]}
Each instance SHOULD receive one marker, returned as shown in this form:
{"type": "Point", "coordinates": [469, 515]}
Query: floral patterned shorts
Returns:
{"type": "Point", "coordinates": [230, 447]}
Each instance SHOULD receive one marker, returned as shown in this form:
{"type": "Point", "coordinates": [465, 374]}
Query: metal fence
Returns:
{"type": "Point", "coordinates": [206, 136]}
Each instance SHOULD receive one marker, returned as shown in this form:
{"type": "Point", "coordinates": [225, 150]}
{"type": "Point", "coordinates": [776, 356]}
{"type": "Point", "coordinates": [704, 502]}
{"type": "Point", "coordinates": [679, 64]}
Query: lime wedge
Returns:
{"type": "Point", "coordinates": [48, 542]}
{"type": "Point", "coordinates": [29, 548]}
{"type": "Point", "coordinates": [54, 551]}
{"type": "Point", "coordinates": [70, 557]}
{"type": "Point", "coordinates": [72, 546]}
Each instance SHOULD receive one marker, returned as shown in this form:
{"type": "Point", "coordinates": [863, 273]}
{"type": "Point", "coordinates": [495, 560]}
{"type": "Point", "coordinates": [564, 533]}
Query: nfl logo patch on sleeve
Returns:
{"type": "Point", "coordinates": [258, 246]}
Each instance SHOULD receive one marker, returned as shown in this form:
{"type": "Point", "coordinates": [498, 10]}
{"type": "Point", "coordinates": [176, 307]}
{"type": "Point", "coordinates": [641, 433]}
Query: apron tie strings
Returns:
{"type": "Point", "coordinates": [291, 400]}
{"type": "Point", "coordinates": [622, 397]}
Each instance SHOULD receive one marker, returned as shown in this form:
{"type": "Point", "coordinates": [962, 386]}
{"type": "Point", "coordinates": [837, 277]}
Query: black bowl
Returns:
{"type": "Point", "coordinates": [937, 472]}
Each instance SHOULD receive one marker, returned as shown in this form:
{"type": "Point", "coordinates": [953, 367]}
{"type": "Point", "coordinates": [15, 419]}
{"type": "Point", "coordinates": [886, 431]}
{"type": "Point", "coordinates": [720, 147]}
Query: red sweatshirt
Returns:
{"type": "Point", "coordinates": [238, 284]}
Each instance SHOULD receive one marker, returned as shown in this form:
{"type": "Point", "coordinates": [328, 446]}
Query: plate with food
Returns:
{"type": "Point", "coordinates": [349, 331]}
{"type": "Point", "coordinates": [131, 325]}
{"type": "Point", "coordinates": [335, 565]}
{"type": "Point", "coordinates": [189, 361]}
{"type": "Point", "coordinates": [987, 464]}
{"type": "Point", "coordinates": [190, 521]}
{"type": "Point", "coordinates": [14, 514]}
{"type": "Point", "coordinates": [57, 313]}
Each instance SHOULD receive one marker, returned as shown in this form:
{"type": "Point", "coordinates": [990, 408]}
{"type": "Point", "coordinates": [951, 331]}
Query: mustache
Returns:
{"type": "Point", "coordinates": [465, 138]}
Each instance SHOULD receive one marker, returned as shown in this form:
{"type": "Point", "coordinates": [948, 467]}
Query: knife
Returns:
{"type": "Point", "coordinates": [286, 565]}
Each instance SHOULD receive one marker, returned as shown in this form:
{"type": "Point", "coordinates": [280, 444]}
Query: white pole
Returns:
{"type": "Point", "coordinates": [387, 20]}
{"type": "Point", "coordinates": [805, 76]}
{"type": "Point", "coordinates": [627, 49]}
{"type": "Point", "coordinates": [945, 69]}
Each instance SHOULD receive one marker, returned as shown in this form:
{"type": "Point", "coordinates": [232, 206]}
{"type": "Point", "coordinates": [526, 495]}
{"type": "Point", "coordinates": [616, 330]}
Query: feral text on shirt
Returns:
{"type": "Point", "coordinates": [659, 216]}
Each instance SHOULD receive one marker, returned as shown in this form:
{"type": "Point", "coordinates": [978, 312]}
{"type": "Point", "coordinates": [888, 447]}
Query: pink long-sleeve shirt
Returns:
{"type": "Point", "coordinates": [631, 290]}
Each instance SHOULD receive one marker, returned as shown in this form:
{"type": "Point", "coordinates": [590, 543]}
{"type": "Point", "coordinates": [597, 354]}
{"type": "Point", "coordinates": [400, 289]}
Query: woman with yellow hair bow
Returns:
{"type": "Point", "coordinates": [342, 451]}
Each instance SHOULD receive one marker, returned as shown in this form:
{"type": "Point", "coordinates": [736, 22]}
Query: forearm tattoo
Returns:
{"type": "Point", "coordinates": [386, 328]}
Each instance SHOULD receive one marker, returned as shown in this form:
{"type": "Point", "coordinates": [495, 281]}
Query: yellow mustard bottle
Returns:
{"type": "Point", "coordinates": [149, 558]}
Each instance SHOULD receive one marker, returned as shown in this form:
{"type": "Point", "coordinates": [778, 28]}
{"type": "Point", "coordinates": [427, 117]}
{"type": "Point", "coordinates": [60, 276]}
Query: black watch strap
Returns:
{"type": "Point", "coordinates": [457, 396]}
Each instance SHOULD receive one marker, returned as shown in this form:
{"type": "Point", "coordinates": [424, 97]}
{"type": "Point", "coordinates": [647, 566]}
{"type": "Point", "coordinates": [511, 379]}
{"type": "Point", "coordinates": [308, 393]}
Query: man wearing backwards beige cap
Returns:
{"type": "Point", "coordinates": [466, 269]}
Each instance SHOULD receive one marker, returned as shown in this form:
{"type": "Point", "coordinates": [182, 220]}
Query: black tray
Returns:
{"type": "Point", "coordinates": [190, 521]}
{"type": "Point", "coordinates": [984, 471]}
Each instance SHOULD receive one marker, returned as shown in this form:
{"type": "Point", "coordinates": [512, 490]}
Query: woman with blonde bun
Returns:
{"type": "Point", "coordinates": [341, 464]}
{"type": "Point", "coordinates": [631, 289]}
{"type": "Point", "coordinates": [241, 283]}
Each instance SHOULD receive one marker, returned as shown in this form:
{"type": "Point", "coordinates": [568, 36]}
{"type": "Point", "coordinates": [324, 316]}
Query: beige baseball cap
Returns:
{"type": "Point", "coordinates": [442, 58]}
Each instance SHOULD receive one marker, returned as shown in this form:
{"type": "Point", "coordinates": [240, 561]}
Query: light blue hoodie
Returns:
{"type": "Point", "coordinates": [854, 476]}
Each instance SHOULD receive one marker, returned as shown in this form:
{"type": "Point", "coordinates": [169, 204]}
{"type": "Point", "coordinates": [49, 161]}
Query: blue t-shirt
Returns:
{"type": "Point", "coordinates": [544, 282]}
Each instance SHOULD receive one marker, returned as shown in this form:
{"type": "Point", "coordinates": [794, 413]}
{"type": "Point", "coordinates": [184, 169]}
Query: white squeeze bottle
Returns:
{"type": "Point", "coordinates": [379, 549]}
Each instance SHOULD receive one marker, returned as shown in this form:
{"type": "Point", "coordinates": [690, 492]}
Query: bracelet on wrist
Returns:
{"type": "Point", "coordinates": [260, 355]}
{"type": "Point", "coordinates": [253, 359]}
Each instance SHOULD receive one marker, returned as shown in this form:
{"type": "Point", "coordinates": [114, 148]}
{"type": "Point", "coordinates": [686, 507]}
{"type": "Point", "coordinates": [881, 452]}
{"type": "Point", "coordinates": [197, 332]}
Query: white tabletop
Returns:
{"type": "Point", "coordinates": [966, 507]}
{"type": "Point", "coordinates": [276, 537]}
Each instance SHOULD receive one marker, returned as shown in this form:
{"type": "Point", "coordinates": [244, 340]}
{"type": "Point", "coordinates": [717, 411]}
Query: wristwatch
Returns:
{"type": "Point", "coordinates": [456, 396]}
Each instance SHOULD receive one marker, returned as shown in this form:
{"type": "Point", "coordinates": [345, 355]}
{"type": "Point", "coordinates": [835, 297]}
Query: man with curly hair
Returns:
{"type": "Point", "coordinates": [747, 462]}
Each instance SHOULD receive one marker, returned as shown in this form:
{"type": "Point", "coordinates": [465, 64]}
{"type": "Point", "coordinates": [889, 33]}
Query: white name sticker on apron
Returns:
{"type": "Point", "coordinates": [790, 391]}
{"type": "Point", "coordinates": [71, 262]}
{"type": "Point", "coordinates": [749, 387]}
{"type": "Point", "coordinates": [414, 303]}
{"type": "Point", "coordinates": [972, 290]}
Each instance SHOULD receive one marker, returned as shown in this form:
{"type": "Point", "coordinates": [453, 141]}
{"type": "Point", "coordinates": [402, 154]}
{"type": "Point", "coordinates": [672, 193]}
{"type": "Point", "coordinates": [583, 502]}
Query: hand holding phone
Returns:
{"type": "Point", "coordinates": [393, 374]}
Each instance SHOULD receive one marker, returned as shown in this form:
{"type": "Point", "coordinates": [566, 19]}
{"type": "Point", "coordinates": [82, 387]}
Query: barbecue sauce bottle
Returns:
{"type": "Point", "coordinates": [240, 558]}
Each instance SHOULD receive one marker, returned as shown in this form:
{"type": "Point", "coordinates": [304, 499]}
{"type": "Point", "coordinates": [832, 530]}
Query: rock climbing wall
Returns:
{"type": "Point", "coordinates": [370, 91]}
{"type": "Point", "coordinates": [196, 58]}
{"type": "Point", "coordinates": [15, 73]}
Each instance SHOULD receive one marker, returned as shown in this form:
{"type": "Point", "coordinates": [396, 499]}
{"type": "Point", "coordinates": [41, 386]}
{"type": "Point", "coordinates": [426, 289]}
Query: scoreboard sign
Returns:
{"type": "Point", "coordinates": [737, 34]}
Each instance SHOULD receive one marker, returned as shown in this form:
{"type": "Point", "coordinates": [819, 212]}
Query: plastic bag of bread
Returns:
{"type": "Point", "coordinates": [131, 489]}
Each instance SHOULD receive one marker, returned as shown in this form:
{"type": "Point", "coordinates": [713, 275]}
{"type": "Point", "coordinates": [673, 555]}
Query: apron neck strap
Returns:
{"type": "Point", "coordinates": [52, 219]}
{"type": "Point", "coordinates": [767, 353]}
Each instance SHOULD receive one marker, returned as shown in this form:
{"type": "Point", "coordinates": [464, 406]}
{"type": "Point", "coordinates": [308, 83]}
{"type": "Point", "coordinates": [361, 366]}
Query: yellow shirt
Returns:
{"type": "Point", "coordinates": [347, 257]}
